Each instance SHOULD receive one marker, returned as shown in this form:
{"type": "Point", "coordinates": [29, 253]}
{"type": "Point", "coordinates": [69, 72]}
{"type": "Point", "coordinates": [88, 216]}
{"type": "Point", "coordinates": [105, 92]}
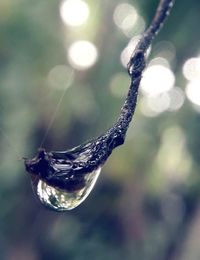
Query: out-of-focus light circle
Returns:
{"type": "Point", "coordinates": [138, 28]}
{"type": "Point", "coordinates": [127, 52]}
{"type": "Point", "coordinates": [82, 55]}
{"type": "Point", "coordinates": [172, 100]}
{"type": "Point", "coordinates": [159, 104]}
{"type": "Point", "coordinates": [119, 84]}
{"type": "Point", "coordinates": [159, 61]}
{"type": "Point", "coordinates": [125, 16]}
{"type": "Point", "coordinates": [191, 69]}
{"type": "Point", "coordinates": [60, 77]}
{"type": "Point", "coordinates": [153, 106]}
{"type": "Point", "coordinates": [129, 49]}
{"type": "Point", "coordinates": [156, 80]}
{"type": "Point", "coordinates": [74, 12]}
{"type": "Point", "coordinates": [177, 98]}
{"type": "Point", "coordinates": [193, 92]}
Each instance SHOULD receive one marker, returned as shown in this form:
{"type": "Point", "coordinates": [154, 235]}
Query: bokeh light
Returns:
{"type": "Point", "coordinates": [152, 106]}
{"type": "Point", "coordinates": [156, 80]}
{"type": "Point", "coordinates": [191, 69]}
{"type": "Point", "coordinates": [171, 100]}
{"type": "Point", "coordinates": [160, 61]}
{"type": "Point", "coordinates": [177, 98]}
{"type": "Point", "coordinates": [193, 92]}
{"type": "Point", "coordinates": [74, 12]}
{"type": "Point", "coordinates": [82, 55]}
{"type": "Point", "coordinates": [60, 77]}
{"type": "Point", "coordinates": [128, 50]}
{"type": "Point", "coordinates": [125, 16]}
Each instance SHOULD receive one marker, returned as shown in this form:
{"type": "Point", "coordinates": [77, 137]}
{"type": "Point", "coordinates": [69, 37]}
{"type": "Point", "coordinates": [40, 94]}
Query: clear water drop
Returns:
{"type": "Point", "coordinates": [61, 200]}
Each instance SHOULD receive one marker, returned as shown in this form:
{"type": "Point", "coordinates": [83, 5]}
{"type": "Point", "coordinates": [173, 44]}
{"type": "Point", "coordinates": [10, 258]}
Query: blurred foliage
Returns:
{"type": "Point", "coordinates": [145, 204]}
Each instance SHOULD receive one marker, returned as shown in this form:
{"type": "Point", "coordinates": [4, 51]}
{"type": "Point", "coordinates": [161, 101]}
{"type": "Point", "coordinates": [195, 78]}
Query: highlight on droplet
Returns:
{"type": "Point", "coordinates": [62, 200]}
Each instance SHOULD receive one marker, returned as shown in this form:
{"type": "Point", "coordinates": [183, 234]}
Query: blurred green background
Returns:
{"type": "Point", "coordinates": [146, 203]}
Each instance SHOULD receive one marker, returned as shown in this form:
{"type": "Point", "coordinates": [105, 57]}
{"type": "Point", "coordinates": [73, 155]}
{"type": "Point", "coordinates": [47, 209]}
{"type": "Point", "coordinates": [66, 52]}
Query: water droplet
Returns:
{"type": "Point", "coordinates": [60, 199]}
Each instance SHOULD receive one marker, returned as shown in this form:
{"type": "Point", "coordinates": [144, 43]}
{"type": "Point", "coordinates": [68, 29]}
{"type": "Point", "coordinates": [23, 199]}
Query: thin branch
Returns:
{"type": "Point", "coordinates": [68, 170]}
{"type": "Point", "coordinates": [137, 62]}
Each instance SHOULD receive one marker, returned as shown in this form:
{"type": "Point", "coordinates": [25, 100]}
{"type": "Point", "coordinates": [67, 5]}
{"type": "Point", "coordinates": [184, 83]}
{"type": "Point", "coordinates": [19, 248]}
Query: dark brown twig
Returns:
{"type": "Point", "coordinates": [137, 62]}
{"type": "Point", "coordinates": [68, 170]}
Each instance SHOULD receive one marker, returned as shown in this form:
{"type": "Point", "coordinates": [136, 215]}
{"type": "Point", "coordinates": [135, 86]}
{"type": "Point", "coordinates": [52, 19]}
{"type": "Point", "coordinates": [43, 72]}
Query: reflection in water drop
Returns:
{"type": "Point", "coordinates": [62, 200]}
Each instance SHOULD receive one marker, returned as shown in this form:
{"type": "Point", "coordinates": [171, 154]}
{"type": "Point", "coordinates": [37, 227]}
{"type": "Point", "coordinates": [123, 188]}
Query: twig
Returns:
{"type": "Point", "coordinates": [68, 170]}
{"type": "Point", "coordinates": [137, 63]}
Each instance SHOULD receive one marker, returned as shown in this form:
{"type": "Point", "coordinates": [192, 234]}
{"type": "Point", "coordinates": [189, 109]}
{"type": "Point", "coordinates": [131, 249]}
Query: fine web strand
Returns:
{"type": "Point", "coordinates": [53, 117]}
